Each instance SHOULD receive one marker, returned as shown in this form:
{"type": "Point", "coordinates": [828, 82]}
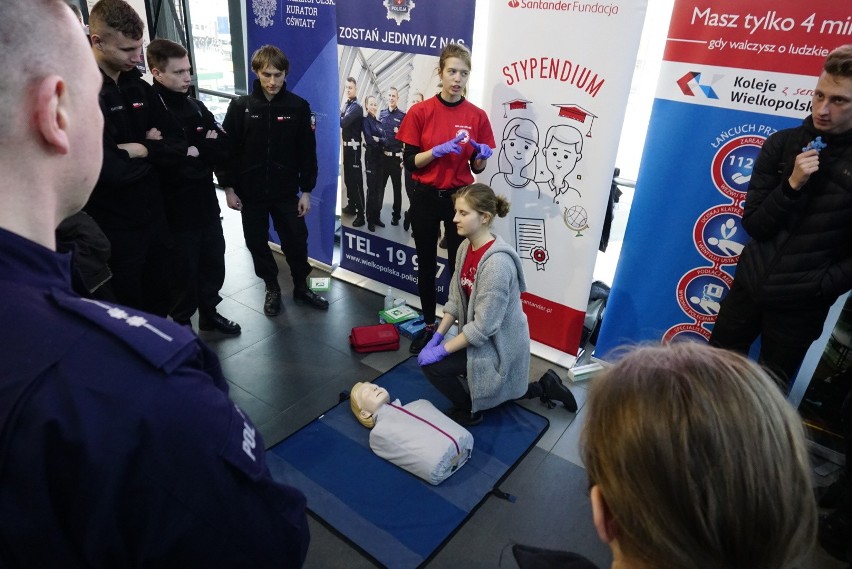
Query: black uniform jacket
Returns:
{"type": "Point", "coordinates": [127, 194]}
{"type": "Point", "coordinates": [274, 149]}
{"type": "Point", "coordinates": [189, 192]}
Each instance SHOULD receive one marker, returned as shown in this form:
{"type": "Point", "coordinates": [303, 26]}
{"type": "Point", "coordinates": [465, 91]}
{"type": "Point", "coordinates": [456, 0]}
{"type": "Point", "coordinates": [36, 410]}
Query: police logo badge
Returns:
{"type": "Point", "coordinates": [263, 10]}
{"type": "Point", "coordinates": [399, 10]}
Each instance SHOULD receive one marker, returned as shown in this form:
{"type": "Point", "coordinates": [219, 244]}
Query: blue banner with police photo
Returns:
{"type": "Point", "coordinates": [306, 32]}
{"type": "Point", "coordinates": [390, 49]}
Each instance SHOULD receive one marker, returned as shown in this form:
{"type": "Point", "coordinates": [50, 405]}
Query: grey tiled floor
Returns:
{"type": "Point", "coordinates": [287, 370]}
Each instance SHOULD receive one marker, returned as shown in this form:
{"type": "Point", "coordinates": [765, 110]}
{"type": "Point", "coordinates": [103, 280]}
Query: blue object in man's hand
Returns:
{"type": "Point", "coordinates": [816, 144]}
{"type": "Point", "coordinates": [483, 151]}
{"type": "Point", "coordinates": [449, 147]}
{"type": "Point", "coordinates": [431, 355]}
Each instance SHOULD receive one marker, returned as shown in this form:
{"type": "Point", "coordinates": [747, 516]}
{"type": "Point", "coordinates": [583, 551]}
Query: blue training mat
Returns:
{"type": "Point", "coordinates": [392, 516]}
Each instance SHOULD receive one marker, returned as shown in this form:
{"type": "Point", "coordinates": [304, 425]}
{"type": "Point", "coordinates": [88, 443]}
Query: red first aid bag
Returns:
{"type": "Point", "coordinates": [376, 338]}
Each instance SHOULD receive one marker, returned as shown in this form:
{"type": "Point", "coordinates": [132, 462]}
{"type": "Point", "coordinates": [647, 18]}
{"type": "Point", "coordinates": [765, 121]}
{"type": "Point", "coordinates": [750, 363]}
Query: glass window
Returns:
{"type": "Point", "coordinates": [211, 41]}
{"type": "Point", "coordinates": [217, 105]}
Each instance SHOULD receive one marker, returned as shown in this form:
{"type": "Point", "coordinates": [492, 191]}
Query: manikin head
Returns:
{"type": "Point", "coordinates": [365, 399]}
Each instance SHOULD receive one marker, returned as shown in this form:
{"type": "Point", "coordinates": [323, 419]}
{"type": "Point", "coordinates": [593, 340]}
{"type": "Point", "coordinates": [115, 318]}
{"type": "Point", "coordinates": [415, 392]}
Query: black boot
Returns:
{"type": "Point", "coordinates": [554, 389]}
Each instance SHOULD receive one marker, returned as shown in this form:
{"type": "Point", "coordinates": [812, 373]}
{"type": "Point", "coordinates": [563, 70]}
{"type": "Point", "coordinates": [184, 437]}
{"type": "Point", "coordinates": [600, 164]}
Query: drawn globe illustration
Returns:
{"type": "Point", "coordinates": [576, 218]}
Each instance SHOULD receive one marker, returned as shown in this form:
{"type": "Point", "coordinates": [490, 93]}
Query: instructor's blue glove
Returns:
{"type": "Point", "coordinates": [483, 151]}
{"type": "Point", "coordinates": [437, 338]}
{"type": "Point", "coordinates": [449, 147]}
{"type": "Point", "coordinates": [432, 355]}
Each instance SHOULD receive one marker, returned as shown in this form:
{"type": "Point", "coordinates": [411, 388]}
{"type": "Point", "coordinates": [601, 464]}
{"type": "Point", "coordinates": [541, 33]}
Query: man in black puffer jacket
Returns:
{"type": "Point", "coordinates": [798, 212]}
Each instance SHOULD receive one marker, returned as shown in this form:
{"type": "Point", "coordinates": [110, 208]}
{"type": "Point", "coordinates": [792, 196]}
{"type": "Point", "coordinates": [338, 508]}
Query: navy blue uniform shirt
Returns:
{"type": "Point", "coordinates": [119, 446]}
{"type": "Point", "coordinates": [391, 119]}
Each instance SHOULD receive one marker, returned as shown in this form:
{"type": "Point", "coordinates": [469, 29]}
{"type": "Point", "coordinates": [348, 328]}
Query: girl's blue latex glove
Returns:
{"type": "Point", "coordinates": [437, 338]}
{"type": "Point", "coordinates": [431, 355]}
{"type": "Point", "coordinates": [483, 151]}
{"type": "Point", "coordinates": [449, 147]}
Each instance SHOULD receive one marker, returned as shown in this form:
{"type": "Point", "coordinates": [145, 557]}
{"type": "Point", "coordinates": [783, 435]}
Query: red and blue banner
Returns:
{"type": "Point", "coordinates": [733, 73]}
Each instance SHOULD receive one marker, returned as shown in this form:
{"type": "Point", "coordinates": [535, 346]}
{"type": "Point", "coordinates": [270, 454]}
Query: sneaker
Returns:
{"type": "Point", "coordinates": [348, 210]}
{"type": "Point", "coordinates": [420, 341]}
{"type": "Point", "coordinates": [310, 297]}
{"type": "Point", "coordinates": [272, 304]}
{"type": "Point", "coordinates": [215, 321]}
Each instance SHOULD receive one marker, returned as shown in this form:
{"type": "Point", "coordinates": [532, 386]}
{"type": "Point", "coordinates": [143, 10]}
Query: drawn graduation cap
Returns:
{"type": "Point", "coordinates": [577, 113]}
{"type": "Point", "coordinates": [515, 105]}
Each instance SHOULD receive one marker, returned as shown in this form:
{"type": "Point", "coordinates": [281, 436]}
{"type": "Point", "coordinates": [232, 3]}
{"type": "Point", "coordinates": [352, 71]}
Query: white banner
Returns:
{"type": "Point", "coordinates": [557, 79]}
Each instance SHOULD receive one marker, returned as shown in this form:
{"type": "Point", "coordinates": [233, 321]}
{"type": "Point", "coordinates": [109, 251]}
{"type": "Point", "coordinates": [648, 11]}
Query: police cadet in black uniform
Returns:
{"type": "Point", "coordinates": [271, 172]}
{"type": "Point", "coordinates": [119, 446]}
{"type": "Point", "coordinates": [351, 116]}
{"type": "Point", "coordinates": [140, 138]}
{"type": "Point", "coordinates": [192, 208]}
{"type": "Point", "coordinates": [391, 119]}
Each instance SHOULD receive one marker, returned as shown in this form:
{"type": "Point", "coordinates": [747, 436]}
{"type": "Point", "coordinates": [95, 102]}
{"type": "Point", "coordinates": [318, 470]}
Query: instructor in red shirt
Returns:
{"type": "Point", "coordinates": [447, 140]}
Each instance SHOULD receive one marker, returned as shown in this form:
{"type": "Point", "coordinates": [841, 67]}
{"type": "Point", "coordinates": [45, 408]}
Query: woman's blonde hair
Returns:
{"type": "Point", "coordinates": [481, 198]}
{"type": "Point", "coordinates": [700, 460]}
{"type": "Point", "coordinates": [456, 50]}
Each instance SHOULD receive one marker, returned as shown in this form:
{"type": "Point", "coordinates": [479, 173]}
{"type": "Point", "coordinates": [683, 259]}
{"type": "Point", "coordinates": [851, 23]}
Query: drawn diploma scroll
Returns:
{"type": "Point", "coordinates": [530, 240]}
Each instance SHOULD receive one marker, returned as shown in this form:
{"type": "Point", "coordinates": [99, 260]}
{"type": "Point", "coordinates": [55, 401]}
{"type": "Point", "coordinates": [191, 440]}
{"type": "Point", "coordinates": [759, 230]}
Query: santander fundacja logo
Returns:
{"type": "Point", "coordinates": [514, 3]}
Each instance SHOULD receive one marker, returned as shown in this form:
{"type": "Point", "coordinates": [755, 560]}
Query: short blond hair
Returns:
{"type": "Point", "coordinates": [700, 460]}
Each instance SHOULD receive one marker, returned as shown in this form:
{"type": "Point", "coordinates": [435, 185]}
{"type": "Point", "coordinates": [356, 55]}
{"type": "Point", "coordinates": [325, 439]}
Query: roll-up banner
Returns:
{"type": "Point", "coordinates": [384, 44]}
{"type": "Point", "coordinates": [305, 32]}
{"type": "Point", "coordinates": [733, 73]}
{"type": "Point", "coordinates": [558, 77]}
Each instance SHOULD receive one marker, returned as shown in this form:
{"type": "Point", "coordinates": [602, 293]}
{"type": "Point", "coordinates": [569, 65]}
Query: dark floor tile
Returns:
{"type": "Point", "coordinates": [314, 404]}
{"type": "Point", "coordinates": [328, 550]}
{"type": "Point", "coordinates": [239, 272]}
{"type": "Point", "coordinates": [258, 411]}
{"type": "Point", "coordinates": [552, 511]}
{"type": "Point", "coordinates": [255, 327]}
{"type": "Point", "coordinates": [286, 367]}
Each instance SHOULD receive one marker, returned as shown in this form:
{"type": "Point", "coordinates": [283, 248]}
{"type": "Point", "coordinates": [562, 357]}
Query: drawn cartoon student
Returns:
{"type": "Point", "coordinates": [517, 159]}
{"type": "Point", "coordinates": [563, 148]}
